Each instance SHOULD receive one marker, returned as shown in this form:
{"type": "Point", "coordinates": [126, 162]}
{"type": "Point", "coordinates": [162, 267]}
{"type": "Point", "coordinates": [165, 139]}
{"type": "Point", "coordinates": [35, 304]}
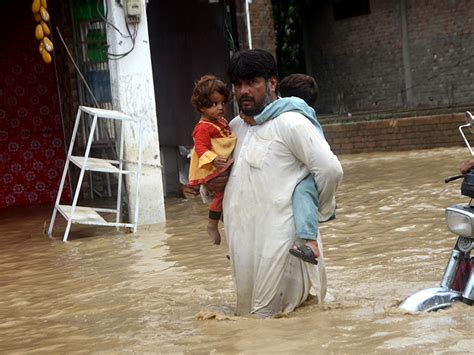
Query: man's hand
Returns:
{"type": "Point", "coordinates": [466, 166]}
{"type": "Point", "coordinates": [218, 183]}
{"type": "Point", "coordinates": [190, 191]}
{"type": "Point", "coordinates": [248, 119]}
{"type": "Point", "coordinates": [219, 162]}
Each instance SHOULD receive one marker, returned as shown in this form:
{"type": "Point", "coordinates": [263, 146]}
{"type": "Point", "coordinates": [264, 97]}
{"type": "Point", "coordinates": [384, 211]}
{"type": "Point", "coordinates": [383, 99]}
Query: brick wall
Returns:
{"type": "Point", "coordinates": [358, 62]}
{"type": "Point", "coordinates": [395, 134]}
{"type": "Point", "coordinates": [441, 37]}
{"type": "Point", "coordinates": [263, 30]}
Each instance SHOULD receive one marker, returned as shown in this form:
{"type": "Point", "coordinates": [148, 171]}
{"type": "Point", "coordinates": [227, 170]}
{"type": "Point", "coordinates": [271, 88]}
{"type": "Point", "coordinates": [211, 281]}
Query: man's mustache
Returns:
{"type": "Point", "coordinates": [246, 98]}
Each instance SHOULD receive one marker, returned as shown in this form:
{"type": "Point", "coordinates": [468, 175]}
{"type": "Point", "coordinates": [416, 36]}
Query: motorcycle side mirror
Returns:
{"type": "Point", "coordinates": [470, 121]}
{"type": "Point", "coordinates": [469, 118]}
{"type": "Point", "coordinates": [470, 125]}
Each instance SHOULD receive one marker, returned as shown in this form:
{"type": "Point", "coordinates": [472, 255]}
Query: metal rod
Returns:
{"type": "Point", "coordinates": [465, 139]}
{"type": "Point", "coordinates": [139, 170]}
{"type": "Point", "coordinates": [249, 30]}
{"type": "Point", "coordinates": [81, 176]}
{"type": "Point", "coordinates": [120, 176]}
{"type": "Point", "coordinates": [77, 68]}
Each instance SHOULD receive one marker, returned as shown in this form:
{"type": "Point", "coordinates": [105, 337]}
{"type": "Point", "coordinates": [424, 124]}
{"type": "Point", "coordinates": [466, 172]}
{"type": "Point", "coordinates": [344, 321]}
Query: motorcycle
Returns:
{"type": "Point", "coordinates": [457, 283]}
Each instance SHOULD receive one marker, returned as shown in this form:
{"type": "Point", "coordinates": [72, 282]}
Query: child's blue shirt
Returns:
{"type": "Point", "coordinates": [306, 196]}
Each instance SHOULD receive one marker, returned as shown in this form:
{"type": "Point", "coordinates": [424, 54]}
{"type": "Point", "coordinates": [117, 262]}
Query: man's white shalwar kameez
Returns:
{"type": "Point", "coordinates": [270, 160]}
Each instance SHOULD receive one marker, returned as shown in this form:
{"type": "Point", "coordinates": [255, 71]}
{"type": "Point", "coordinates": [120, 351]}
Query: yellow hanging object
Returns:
{"type": "Point", "coordinates": [37, 16]}
{"type": "Point", "coordinates": [46, 57]}
{"type": "Point", "coordinates": [45, 27]}
{"type": "Point", "coordinates": [41, 15]}
{"type": "Point", "coordinates": [48, 45]}
{"type": "Point", "coordinates": [35, 6]}
{"type": "Point", "coordinates": [44, 14]}
{"type": "Point", "coordinates": [39, 32]}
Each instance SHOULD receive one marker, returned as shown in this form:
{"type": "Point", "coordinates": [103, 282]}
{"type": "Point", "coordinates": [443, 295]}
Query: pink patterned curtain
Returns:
{"type": "Point", "coordinates": [32, 152]}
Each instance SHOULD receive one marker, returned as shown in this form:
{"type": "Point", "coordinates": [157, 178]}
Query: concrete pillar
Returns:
{"type": "Point", "coordinates": [133, 93]}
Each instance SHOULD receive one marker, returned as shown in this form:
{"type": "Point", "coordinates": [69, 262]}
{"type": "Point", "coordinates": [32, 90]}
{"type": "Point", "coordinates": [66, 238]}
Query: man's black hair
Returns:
{"type": "Point", "coordinates": [251, 63]}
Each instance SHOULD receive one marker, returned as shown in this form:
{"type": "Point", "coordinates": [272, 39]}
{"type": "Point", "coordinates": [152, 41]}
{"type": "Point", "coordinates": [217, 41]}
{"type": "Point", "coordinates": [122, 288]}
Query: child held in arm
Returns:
{"type": "Point", "coordinates": [213, 143]}
{"type": "Point", "coordinates": [299, 93]}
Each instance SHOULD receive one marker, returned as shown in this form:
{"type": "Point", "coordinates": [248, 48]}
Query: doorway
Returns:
{"type": "Point", "coordinates": [187, 40]}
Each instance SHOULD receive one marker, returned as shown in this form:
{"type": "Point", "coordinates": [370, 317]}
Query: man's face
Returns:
{"type": "Point", "coordinates": [254, 94]}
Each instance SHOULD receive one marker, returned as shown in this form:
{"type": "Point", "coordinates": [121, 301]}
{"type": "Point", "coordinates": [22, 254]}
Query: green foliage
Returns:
{"type": "Point", "coordinates": [289, 37]}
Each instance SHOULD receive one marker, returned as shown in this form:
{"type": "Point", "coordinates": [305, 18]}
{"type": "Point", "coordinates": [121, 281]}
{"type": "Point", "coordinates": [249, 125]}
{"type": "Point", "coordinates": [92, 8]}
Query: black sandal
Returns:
{"type": "Point", "coordinates": [305, 253]}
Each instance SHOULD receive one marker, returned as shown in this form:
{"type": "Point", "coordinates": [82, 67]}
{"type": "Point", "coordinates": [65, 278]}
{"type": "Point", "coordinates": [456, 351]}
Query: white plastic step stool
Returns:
{"type": "Point", "coordinates": [91, 215]}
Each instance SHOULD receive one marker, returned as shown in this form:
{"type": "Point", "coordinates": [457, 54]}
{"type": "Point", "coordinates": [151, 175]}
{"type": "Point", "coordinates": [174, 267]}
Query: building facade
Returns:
{"type": "Point", "coordinates": [390, 55]}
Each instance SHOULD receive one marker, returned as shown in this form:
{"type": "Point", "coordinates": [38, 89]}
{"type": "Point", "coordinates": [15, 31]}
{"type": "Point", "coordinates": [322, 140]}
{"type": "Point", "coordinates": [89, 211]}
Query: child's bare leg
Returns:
{"type": "Point", "coordinates": [215, 213]}
{"type": "Point", "coordinates": [213, 231]}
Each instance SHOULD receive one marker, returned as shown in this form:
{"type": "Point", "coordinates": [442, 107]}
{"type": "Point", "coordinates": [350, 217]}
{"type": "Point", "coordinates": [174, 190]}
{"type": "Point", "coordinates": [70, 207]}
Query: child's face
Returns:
{"type": "Point", "coordinates": [218, 108]}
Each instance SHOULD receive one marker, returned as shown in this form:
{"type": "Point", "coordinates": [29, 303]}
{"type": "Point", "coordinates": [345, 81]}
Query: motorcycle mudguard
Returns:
{"type": "Point", "coordinates": [431, 299]}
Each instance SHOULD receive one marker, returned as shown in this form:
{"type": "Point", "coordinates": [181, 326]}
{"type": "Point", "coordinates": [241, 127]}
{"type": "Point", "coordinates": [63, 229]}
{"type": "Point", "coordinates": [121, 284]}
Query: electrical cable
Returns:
{"type": "Point", "coordinates": [117, 56]}
{"type": "Point", "coordinates": [131, 34]}
{"type": "Point", "coordinates": [104, 18]}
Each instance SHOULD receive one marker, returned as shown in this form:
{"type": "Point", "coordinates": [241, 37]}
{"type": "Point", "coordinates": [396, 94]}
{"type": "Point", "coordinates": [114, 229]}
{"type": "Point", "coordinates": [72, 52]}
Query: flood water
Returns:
{"type": "Point", "coordinates": [167, 289]}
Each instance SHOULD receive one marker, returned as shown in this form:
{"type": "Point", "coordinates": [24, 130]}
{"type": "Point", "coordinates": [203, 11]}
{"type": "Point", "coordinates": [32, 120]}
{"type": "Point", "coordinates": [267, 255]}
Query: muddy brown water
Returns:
{"type": "Point", "coordinates": [167, 289]}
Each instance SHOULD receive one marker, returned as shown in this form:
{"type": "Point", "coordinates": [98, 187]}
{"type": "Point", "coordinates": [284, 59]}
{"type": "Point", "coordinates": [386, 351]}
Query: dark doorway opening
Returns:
{"type": "Point", "coordinates": [187, 40]}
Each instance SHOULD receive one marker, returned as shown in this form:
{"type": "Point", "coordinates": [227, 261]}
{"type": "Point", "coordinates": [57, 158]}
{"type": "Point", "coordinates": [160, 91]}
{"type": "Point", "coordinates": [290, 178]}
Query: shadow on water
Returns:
{"type": "Point", "coordinates": [167, 289]}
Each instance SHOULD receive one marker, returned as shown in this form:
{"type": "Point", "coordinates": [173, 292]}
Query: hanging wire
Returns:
{"type": "Point", "coordinates": [131, 34]}
{"type": "Point", "coordinates": [104, 18]}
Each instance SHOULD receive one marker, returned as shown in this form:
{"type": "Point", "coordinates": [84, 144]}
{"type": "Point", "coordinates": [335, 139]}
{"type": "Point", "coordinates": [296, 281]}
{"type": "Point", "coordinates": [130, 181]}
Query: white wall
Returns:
{"type": "Point", "coordinates": [133, 93]}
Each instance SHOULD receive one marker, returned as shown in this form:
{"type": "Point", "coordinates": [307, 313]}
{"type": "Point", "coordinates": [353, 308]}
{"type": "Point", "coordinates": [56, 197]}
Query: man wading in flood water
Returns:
{"type": "Point", "coordinates": [270, 159]}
